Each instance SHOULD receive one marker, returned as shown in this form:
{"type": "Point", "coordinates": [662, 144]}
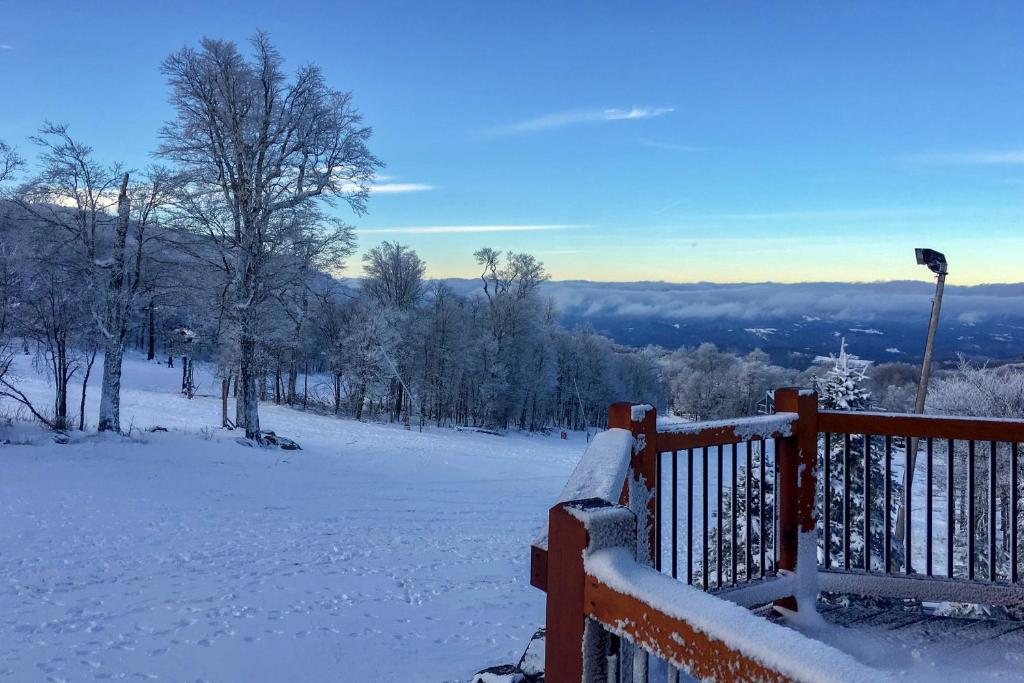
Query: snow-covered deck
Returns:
{"type": "Point", "coordinates": [752, 487]}
{"type": "Point", "coordinates": [920, 645]}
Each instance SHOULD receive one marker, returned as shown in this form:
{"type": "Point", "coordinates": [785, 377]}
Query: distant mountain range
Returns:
{"type": "Point", "coordinates": [881, 321]}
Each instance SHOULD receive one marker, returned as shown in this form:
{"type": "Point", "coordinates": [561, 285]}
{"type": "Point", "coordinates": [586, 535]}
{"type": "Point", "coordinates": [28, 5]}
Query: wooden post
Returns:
{"type": "Point", "coordinates": [566, 643]}
{"type": "Point", "coordinates": [643, 465]}
{"type": "Point", "coordinates": [797, 485]}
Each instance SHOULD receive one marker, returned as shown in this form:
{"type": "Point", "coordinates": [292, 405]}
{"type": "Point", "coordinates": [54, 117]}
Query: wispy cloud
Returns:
{"type": "Point", "coordinates": [569, 118]}
{"type": "Point", "coordinates": [671, 146]}
{"type": "Point", "coordinates": [5, 46]}
{"type": "Point", "coordinates": [833, 214]}
{"type": "Point", "coordinates": [385, 184]}
{"type": "Point", "coordinates": [394, 188]}
{"type": "Point", "coordinates": [464, 229]}
{"type": "Point", "coordinates": [1005, 157]}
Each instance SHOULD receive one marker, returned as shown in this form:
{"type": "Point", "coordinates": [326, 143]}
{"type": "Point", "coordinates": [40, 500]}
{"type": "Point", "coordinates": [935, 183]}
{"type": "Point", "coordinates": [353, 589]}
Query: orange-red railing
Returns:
{"type": "Point", "coordinates": [599, 591]}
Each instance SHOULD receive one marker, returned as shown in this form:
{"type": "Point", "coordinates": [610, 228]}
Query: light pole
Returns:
{"type": "Point", "coordinates": [936, 263]}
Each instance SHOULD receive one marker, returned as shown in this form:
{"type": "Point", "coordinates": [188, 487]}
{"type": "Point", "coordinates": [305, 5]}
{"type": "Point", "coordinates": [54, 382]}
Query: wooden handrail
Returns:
{"type": "Point", "coordinates": [725, 432]}
{"type": "Point", "coordinates": [596, 580]}
{"type": "Point", "coordinates": [921, 426]}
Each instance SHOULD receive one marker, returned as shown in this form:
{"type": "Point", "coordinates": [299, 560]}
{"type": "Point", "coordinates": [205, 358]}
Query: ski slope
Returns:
{"type": "Point", "coordinates": [373, 554]}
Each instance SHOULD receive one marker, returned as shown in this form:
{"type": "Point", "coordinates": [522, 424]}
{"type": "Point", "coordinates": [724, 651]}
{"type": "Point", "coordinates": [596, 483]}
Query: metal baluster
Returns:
{"type": "Point", "coordinates": [827, 492]}
{"type": "Point", "coordinates": [658, 491]}
{"type": "Point", "coordinates": [992, 511]}
{"type": "Point", "coordinates": [704, 520]}
{"type": "Point", "coordinates": [746, 528]}
{"type": "Point", "coordinates": [867, 502]}
{"type": "Point", "coordinates": [970, 510]}
{"type": "Point", "coordinates": [675, 514]}
{"type": "Point", "coordinates": [760, 509]}
{"type": "Point", "coordinates": [846, 501]}
{"type": "Point", "coordinates": [950, 503]}
{"type": "Point", "coordinates": [1014, 484]}
{"type": "Point", "coordinates": [887, 553]}
{"type": "Point", "coordinates": [639, 664]}
{"type": "Point", "coordinates": [775, 501]}
{"type": "Point", "coordinates": [732, 510]}
{"type": "Point", "coordinates": [908, 527]}
{"type": "Point", "coordinates": [614, 650]}
{"type": "Point", "coordinates": [718, 515]}
{"type": "Point", "coordinates": [689, 516]}
{"type": "Point", "coordinates": [928, 509]}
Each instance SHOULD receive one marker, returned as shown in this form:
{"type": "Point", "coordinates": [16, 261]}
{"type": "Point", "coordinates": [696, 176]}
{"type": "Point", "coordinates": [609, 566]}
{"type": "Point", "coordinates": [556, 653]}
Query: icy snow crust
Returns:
{"type": "Point", "coordinates": [374, 554]}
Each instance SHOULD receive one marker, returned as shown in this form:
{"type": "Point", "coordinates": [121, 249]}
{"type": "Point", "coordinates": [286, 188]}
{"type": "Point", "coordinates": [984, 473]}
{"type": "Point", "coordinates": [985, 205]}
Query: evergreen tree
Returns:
{"type": "Point", "coordinates": [842, 388]}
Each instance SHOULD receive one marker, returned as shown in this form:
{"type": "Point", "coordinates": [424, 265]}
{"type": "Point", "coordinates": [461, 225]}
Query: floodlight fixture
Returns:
{"type": "Point", "coordinates": [935, 260]}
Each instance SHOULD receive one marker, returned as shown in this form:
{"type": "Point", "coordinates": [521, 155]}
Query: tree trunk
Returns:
{"type": "Point", "coordinates": [293, 373]}
{"type": "Point", "coordinates": [85, 385]}
{"type": "Point", "coordinates": [239, 402]}
{"type": "Point", "coordinates": [225, 387]}
{"type": "Point", "coordinates": [248, 396]}
{"type": "Point", "coordinates": [305, 385]}
{"type": "Point", "coordinates": [399, 399]}
{"type": "Point", "coordinates": [360, 398]}
{"type": "Point", "coordinates": [60, 418]}
{"type": "Point", "coordinates": [116, 320]}
{"type": "Point", "coordinates": [151, 351]}
{"type": "Point", "coordinates": [337, 392]}
{"type": "Point", "coordinates": [110, 392]}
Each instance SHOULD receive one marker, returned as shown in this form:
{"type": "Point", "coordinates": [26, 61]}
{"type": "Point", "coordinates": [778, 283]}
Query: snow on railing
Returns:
{"type": "Point", "coordinates": [685, 629]}
{"type": "Point", "coordinates": [743, 428]}
{"type": "Point", "coordinates": [600, 473]}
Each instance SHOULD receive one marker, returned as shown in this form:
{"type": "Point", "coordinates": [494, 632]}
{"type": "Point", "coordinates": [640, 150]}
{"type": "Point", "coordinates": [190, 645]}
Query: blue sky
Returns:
{"type": "Point", "coordinates": [674, 141]}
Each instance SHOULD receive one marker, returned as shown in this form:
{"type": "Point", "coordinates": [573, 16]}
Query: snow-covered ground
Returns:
{"type": "Point", "coordinates": [373, 554]}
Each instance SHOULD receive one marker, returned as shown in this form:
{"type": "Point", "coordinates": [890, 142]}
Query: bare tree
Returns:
{"type": "Point", "coordinates": [10, 162]}
{"type": "Point", "coordinates": [393, 275]}
{"type": "Point", "coordinates": [124, 282]}
{"type": "Point", "coordinates": [262, 144]}
{"type": "Point", "coordinates": [91, 205]}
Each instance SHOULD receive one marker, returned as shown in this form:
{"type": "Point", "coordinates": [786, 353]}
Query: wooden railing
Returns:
{"type": "Point", "coordinates": [762, 476]}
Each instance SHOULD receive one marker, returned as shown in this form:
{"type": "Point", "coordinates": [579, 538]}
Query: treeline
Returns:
{"type": "Point", "coordinates": [389, 346]}
{"type": "Point", "coordinates": [406, 349]}
{"type": "Point", "coordinates": [224, 254]}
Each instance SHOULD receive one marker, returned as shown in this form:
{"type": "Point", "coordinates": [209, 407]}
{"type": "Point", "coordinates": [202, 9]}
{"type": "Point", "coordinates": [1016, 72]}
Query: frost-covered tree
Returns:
{"type": "Point", "coordinates": [47, 294]}
{"type": "Point", "coordinates": [985, 392]}
{"type": "Point", "coordinates": [842, 387]}
{"type": "Point", "coordinates": [393, 280]}
{"type": "Point", "coordinates": [10, 162]}
{"type": "Point", "coordinates": [760, 534]}
{"type": "Point", "coordinates": [253, 144]}
{"type": "Point", "coordinates": [708, 383]}
{"type": "Point", "coordinates": [893, 386]}
{"type": "Point", "coordinates": [513, 320]}
{"type": "Point", "coordinates": [89, 205]}
{"type": "Point", "coordinates": [10, 165]}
